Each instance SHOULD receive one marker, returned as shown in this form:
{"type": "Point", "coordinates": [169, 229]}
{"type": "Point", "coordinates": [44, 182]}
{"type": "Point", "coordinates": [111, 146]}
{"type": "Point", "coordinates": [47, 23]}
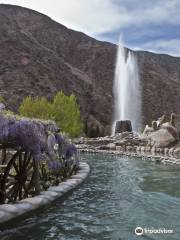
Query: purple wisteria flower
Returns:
{"type": "Point", "coordinates": [54, 165]}
{"type": "Point", "coordinates": [70, 151]}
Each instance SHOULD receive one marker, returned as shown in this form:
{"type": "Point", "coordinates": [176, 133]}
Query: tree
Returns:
{"type": "Point", "coordinates": [66, 113]}
{"type": "Point", "coordinates": [63, 109]}
{"type": "Point", "coordinates": [38, 107]}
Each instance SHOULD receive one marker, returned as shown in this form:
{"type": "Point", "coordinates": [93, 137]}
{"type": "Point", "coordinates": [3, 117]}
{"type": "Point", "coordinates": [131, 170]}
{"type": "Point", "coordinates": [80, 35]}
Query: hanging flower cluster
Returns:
{"type": "Point", "coordinates": [43, 141]}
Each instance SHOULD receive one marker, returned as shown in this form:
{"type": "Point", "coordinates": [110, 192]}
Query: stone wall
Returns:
{"type": "Point", "coordinates": [11, 211]}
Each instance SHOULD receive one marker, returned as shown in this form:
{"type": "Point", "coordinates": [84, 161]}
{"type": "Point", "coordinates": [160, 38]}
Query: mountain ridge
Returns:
{"type": "Point", "coordinates": [39, 57]}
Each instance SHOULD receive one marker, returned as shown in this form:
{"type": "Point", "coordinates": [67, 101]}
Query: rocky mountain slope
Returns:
{"type": "Point", "coordinates": [39, 56]}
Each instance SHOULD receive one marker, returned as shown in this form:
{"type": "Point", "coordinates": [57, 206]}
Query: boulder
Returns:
{"type": "Point", "coordinates": [148, 130]}
{"type": "Point", "coordinates": [107, 130]}
{"type": "Point", "coordinates": [177, 152]}
{"type": "Point", "coordinates": [111, 146]}
{"type": "Point", "coordinates": [93, 127]}
{"type": "Point", "coordinates": [162, 137]}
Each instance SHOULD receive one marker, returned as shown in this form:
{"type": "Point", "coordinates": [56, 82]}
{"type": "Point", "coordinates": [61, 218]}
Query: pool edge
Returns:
{"type": "Point", "coordinates": [12, 211]}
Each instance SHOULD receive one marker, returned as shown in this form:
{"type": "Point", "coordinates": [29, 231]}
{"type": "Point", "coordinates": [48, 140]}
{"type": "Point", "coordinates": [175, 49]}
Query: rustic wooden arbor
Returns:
{"type": "Point", "coordinates": [27, 148]}
{"type": "Point", "coordinates": [19, 174]}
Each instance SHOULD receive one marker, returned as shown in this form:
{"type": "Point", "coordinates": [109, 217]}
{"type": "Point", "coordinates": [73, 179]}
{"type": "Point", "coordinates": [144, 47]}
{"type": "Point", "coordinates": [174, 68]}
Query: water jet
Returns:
{"type": "Point", "coordinates": [126, 89]}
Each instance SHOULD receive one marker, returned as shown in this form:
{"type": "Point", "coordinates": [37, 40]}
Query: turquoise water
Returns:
{"type": "Point", "coordinates": [120, 194]}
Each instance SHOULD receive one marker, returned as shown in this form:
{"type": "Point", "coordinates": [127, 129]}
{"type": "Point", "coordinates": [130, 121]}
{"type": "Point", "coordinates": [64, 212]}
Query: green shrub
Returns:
{"type": "Point", "coordinates": [38, 107]}
{"type": "Point", "coordinates": [63, 109]}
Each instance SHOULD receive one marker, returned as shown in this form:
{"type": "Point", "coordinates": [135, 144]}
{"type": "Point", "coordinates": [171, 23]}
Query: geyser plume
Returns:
{"type": "Point", "coordinates": [126, 89]}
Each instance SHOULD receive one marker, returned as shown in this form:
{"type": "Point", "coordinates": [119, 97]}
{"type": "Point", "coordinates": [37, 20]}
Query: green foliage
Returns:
{"type": "Point", "coordinates": [66, 113]}
{"type": "Point", "coordinates": [63, 109]}
{"type": "Point", "coordinates": [35, 108]}
{"type": "Point", "coordinates": [1, 99]}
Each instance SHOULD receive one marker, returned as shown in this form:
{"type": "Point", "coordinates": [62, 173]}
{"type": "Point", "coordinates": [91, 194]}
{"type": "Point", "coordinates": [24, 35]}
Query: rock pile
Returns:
{"type": "Point", "coordinates": [162, 138]}
{"type": "Point", "coordinates": [162, 134]}
{"type": "Point", "coordinates": [116, 142]}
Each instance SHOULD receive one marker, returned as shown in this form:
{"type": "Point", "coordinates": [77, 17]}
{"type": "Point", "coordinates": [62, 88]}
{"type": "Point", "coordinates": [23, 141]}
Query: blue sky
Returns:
{"type": "Point", "coordinates": [152, 25]}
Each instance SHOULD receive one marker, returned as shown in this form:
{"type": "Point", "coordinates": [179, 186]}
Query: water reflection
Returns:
{"type": "Point", "coordinates": [119, 195]}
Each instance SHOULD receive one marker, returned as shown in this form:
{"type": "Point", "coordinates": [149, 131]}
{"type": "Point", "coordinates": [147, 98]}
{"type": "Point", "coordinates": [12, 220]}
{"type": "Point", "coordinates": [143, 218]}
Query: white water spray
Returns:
{"type": "Point", "coordinates": [127, 94]}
